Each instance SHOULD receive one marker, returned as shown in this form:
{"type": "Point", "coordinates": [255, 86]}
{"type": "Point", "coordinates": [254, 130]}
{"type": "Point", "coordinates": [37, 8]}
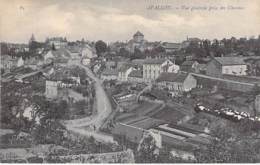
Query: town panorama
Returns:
{"type": "Point", "coordinates": [82, 100]}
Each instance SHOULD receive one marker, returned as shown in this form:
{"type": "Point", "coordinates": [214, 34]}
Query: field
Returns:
{"type": "Point", "coordinates": [169, 114]}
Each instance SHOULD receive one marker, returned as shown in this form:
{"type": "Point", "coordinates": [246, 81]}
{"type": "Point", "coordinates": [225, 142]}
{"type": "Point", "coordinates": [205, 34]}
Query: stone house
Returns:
{"type": "Point", "coordinates": [124, 71]}
{"type": "Point", "coordinates": [226, 65]}
{"type": "Point", "coordinates": [190, 66]}
{"type": "Point", "coordinates": [179, 82]}
{"type": "Point", "coordinates": [152, 68]}
{"type": "Point", "coordinates": [109, 74]}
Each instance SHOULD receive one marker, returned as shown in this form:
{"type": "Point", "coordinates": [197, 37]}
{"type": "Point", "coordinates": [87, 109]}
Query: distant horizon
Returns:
{"type": "Point", "coordinates": [237, 37]}
{"type": "Point", "coordinates": [118, 20]}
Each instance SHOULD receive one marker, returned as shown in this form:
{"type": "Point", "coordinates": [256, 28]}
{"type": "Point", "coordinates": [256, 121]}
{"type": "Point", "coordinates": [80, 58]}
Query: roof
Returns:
{"type": "Point", "coordinates": [172, 45]}
{"type": "Point", "coordinates": [61, 53]}
{"type": "Point", "coordinates": [188, 63]}
{"type": "Point", "coordinates": [136, 73]}
{"type": "Point", "coordinates": [8, 58]}
{"type": "Point", "coordinates": [138, 33]}
{"type": "Point", "coordinates": [138, 61]}
{"type": "Point", "coordinates": [74, 49]}
{"type": "Point", "coordinates": [57, 39]}
{"type": "Point", "coordinates": [155, 61]}
{"type": "Point", "coordinates": [124, 68]}
{"type": "Point", "coordinates": [230, 60]}
{"type": "Point", "coordinates": [110, 72]}
{"type": "Point", "coordinates": [172, 77]}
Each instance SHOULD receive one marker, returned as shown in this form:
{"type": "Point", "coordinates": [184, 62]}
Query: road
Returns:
{"type": "Point", "coordinates": [85, 126]}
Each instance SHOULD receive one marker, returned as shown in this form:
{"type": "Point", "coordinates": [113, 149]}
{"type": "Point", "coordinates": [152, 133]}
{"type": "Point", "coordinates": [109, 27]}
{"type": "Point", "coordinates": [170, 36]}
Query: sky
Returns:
{"type": "Point", "coordinates": [118, 20]}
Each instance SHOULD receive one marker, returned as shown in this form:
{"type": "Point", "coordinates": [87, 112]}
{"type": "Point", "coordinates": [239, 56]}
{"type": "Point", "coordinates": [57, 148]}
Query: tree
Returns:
{"type": "Point", "coordinates": [123, 52]}
{"type": "Point", "coordinates": [228, 146]}
{"type": "Point", "coordinates": [147, 150]}
{"type": "Point", "coordinates": [101, 47]}
{"type": "Point", "coordinates": [80, 107]}
{"type": "Point", "coordinates": [255, 90]}
{"type": "Point", "coordinates": [53, 47]}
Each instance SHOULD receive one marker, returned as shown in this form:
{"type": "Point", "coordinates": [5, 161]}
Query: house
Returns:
{"type": "Point", "coordinates": [86, 61]}
{"type": "Point", "coordinates": [171, 47]}
{"type": "Point", "coordinates": [172, 68]}
{"type": "Point", "coordinates": [60, 56]}
{"type": "Point", "coordinates": [48, 55]}
{"type": "Point", "coordinates": [111, 64]}
{"type": "Point", "coordinates": [152, 68]}
{"type": "Point", "coordinates": [51, 89]}
{"type": "Point", "coordinates": [226, 65]}
{"type": "Point", "coordinates": [57, 42]}
{"type": "Point", "coordinates": [8, 63]}
{"type": "Point", "coordinates": [75, 51]}
{"type": "Point", "coordinates": [190, 66]}
{"type": "Point", "coordinates": [34, 62]}
{"type": "Point", "coordinates": [88, 52]}
{"type": "Point", "coordinates": [19, 62]}
{"type": "Point", "coordinates": [109, 74]}
{"type": "Point", "coordinates": [179, 82]}
{"type": "Point", "coordinates": [136, 76]}
{"type": "Point", "coordinates": [124, 71]}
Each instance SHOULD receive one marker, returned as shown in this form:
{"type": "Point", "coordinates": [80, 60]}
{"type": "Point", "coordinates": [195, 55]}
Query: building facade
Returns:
{"type": "Point", "coordinates": [51, 89]}
{"type": "Point", "coordinates": [109, 74]}
{"type": "Point", "coordinates": [124, 71]}
{"type": "Point", "coordinates": [179, 82]}
{"type": "Point", "coordinates": [152, 68]}
{"type": "Point", "coordinates": [57, 42]}
{"type": "Point", "coordinates": [226, 65]}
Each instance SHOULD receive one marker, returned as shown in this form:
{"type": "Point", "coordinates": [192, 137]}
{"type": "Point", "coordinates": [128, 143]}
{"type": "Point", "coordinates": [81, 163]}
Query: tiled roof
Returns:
{"type": "Point", "coordinates": [136, 73]}
{"type": "Point", "coordinates": [61, 53]}
{"type": "Point", "coordinates": [172, 77]}
{"type": "Point", "coordinates": [138, 61]}
{"type": "Point", "coordinates": [230, 60]}
{"type": "Point", "coordinates": [124, 67]}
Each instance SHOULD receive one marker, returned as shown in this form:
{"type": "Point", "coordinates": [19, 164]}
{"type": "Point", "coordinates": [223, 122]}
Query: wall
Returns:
{"type": "Point", "coordinates": [189, 83]}
{"type": "Point", "coordinates": [238, 69]}
{"type": "Point", "coordinates": [109, 77]}
{"type": "Point", "coordinates": [132, 134]}
{"type": "Point", "coordinates": [213, 68]}
{"type": "Point", "coordinates": [207, 81]}
{"type": "Point", "coordinates": [257, 104]}
{"type": "Point", "coordinates": [51, 89]}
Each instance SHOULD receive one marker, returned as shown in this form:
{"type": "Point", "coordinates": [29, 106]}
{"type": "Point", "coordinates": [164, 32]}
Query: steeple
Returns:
{"type": "Point", "coordinates": [32, 39]}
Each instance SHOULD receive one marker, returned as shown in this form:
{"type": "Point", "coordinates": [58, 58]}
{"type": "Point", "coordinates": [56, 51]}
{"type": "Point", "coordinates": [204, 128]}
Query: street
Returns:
{"type": "Point", "coordinates": [89, 126]}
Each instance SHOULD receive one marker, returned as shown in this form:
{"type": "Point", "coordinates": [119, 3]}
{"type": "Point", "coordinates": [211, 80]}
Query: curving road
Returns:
{"type": "Point", "coordinates": [85, 126]}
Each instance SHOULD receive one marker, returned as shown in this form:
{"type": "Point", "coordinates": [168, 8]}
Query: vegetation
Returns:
{"type": "Point", "coordinates": [231, 144]}
{"type": "Point", "coordinates": [101, 47]}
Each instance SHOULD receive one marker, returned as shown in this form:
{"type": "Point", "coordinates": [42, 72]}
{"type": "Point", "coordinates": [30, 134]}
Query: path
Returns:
{"type": "Point", "coordinates": [85, 126]}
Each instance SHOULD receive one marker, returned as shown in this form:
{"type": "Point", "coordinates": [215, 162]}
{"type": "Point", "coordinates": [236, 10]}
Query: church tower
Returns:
{"type": "Point", "coordinates": [32, 39]}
